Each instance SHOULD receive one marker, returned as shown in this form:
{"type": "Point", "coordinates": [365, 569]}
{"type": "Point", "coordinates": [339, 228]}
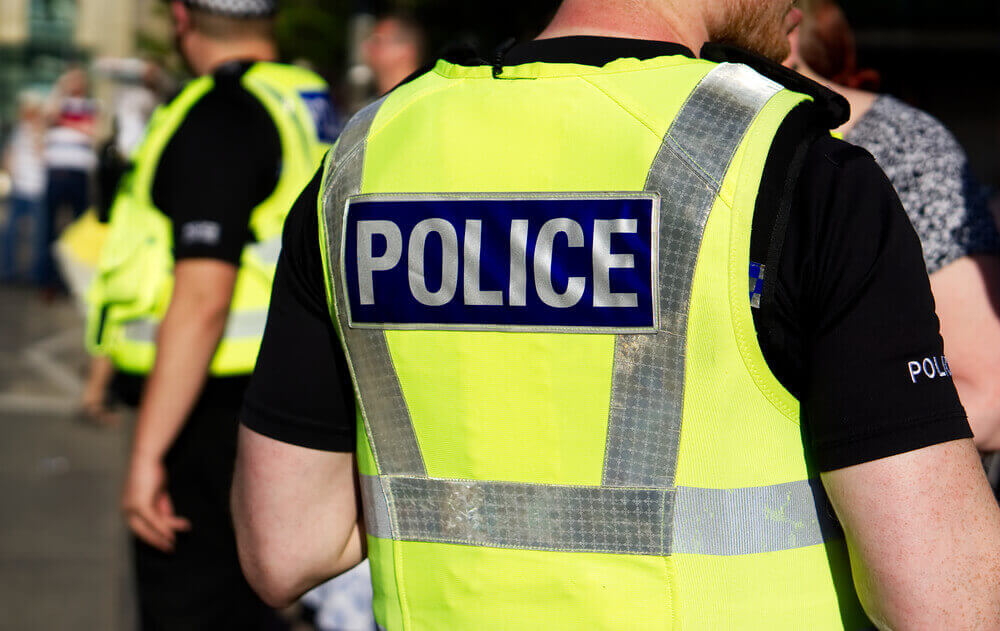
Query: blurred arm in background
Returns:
{"type": "Point", "coordinates": [967, 295]}
{"type": "Point", "coordinates": [185, 345]}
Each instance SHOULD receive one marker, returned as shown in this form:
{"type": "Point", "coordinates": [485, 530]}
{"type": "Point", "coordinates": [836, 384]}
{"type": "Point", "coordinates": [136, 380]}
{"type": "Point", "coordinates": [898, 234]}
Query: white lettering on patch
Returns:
{"type": "Point", "coordinates": [201, 232]}
{"type": "Point", "coordinates": [929, 368]}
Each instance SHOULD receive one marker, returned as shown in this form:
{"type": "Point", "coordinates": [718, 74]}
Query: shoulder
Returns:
{"type": "Point", "coordinates": [842, 185]}
{"type": "Point", "coordinates": [830, 109]}
{"type": "Point", "coordinates": [228, 109]}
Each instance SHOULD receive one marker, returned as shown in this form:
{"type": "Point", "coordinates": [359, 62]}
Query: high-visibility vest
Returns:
{"type": "Point", "coordinates": [528, 461]}
{"type": "Point", "coordinates": [134, 283]}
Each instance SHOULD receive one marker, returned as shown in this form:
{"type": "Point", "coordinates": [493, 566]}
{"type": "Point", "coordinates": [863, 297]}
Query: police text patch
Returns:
{"type": "Point", "coordinates": [548, 262]}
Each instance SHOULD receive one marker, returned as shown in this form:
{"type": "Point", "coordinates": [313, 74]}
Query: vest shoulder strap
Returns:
{"type": "Point", "coordinates": [832, 109]}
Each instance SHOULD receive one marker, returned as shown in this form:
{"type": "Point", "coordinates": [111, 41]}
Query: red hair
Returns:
{"type": "Point", "coordinates": [826, 44]}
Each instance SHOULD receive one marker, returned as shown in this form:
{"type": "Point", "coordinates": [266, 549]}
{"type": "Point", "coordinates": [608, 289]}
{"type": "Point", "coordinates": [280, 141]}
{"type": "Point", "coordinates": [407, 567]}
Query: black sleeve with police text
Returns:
{"type": "Point", "coordinates": [301, 392]}
{"type": "Point", "coordinates": [222, 162]}
{"type": "Point", "coordinates": [855, 332]}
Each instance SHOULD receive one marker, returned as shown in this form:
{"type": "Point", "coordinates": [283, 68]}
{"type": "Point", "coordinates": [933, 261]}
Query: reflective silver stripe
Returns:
{"type": "Point", "coordinates": [647, 394]}
{"type": "Point", "coordinates": [267, 251]}
{"type": "Point", "coordinates": [717, 522]}
{"type": "Point", "coordinates": [241, 325]}
{"type": "Point", "coordinates": [383, 408]}
{"type": "Point", "coordinates": [727, 522]}
{"type": "Point", "coordinates": [521, 516]}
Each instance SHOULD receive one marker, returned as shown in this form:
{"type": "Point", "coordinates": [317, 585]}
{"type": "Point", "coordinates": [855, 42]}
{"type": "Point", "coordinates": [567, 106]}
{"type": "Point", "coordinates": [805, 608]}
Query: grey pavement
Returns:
{"type": "Point", "coordinates": [63, 554]}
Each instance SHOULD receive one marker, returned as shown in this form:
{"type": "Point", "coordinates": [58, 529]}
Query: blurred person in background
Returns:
{"type": "Point", "coordinates": [181, 296]}
{"type": "Point", "coordinates": [394, 50]}
{"type": "Point", "coordinates": [24, 161]}
{"type": "Point", "coordinates": [70, 158]}
{"type": "Point", "coordinates": [947, 206]}
{"type": "Point", "coordinates": [140, 87]}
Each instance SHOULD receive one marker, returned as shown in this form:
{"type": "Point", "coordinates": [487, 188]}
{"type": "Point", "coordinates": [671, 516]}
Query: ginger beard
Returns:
{"type": "Point", "coordinates": [761, 26]}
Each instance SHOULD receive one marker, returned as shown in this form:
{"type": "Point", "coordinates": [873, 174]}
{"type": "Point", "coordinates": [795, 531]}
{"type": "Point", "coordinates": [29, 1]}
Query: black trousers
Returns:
{"type": "Point", "coordinates": [67, 189]}
{"type": "Point", "coordinates": [200, 585]}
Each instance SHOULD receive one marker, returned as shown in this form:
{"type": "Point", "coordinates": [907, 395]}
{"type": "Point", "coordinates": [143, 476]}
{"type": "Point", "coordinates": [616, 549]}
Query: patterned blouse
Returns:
{"type": "Point", "coordinates": [947, 206]}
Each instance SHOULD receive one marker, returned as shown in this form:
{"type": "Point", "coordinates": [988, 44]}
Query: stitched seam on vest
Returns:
{"type": "Point", "coordinates": [623, 107]}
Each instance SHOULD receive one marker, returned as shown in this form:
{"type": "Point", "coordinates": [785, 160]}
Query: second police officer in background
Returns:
{"type": "Point", "coordinates": [181, 297]}
{"type": "Point", "coordinates": [573, 413]}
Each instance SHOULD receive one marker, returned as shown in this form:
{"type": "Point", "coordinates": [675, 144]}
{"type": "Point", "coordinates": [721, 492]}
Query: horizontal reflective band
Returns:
{"type": "Point", "coordinates": [267, 251]}
{"type": "Point", "coordinates": [718, 522]}
{"type": "Point", "coordinates": [727, 522]}
{"type": "Point", "coordinates": [522, 516]}
{"type": "Point", "coordinates": [240, 325]}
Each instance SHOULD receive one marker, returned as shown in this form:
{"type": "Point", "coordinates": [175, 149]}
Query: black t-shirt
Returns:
{"type": "Point", "coordinates": [223, 161]}
{"type": "Point", "coordinates": [844, 315]}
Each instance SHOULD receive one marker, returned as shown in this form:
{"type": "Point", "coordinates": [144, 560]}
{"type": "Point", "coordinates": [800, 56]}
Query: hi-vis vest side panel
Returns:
{"type": "Point", "coordinates": [132, 289]}
{"type": "Point", "coordinates": [534, 454]}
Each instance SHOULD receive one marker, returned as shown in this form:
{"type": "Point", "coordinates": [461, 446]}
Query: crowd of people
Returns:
{"type": "Point", "coordinates": [191, 192]}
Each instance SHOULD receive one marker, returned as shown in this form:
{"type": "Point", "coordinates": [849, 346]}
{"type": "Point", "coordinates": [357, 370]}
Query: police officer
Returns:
{"type": "Point", "coordinates": [181, 298]}
{"type": "Point", "coordinates": [621, 321]}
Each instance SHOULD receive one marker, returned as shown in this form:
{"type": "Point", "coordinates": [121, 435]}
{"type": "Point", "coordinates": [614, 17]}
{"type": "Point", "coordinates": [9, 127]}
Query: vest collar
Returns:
{"type": "Point", "coordinates": [590, 50]}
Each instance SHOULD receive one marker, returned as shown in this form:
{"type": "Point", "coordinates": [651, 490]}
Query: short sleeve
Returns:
{"type": "Point", "coordinates": [220, 164]}
{"type": "Point", "coordinates": [874, 381]}
{"type": "Point", "coordinates": [301, 392]}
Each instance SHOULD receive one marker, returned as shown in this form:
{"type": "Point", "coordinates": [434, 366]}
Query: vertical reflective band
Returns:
{"type": "Point", "coordinates": [383, 408]}
{"type": "Point", "coordinates": [714, 522]}
{"type": "Point", "coordinates": [647, 395]}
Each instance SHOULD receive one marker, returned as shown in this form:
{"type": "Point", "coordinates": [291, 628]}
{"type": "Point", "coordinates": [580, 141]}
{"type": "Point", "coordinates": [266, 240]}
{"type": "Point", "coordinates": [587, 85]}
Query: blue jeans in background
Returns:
{"type": "Point", "coordinates": [33, 209]}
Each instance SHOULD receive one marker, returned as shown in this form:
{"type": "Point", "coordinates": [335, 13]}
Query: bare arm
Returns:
{"type": "Point", "coordinates": [296, 516]}
{"type": "Point", "coordinates": [923, 531]}
{"type": "Point", "coordinates": [94, 399]}
{"type": "Point", "coordinates": [967, 295]}
{"type": "Point", "coordinates": [186, 342]}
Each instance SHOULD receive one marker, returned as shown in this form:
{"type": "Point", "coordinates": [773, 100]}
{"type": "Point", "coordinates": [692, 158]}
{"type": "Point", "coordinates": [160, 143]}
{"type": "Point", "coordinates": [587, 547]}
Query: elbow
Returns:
{"type": "Point", "coordinates": [275, 593]}
{"type": "Point", "coordinates": [968, 599]}
{"type": "Point", "coordinates": [267, 563]}
{"type": "Point", "coordinates": [268, 576]}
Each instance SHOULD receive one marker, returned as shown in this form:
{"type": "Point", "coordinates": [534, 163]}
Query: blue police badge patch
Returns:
{"type": "Point", "coordinates": [324, 114]}
{"type": "Point", "coordinates": [487, 262]}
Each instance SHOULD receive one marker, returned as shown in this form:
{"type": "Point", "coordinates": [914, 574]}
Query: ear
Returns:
{"type": "Point", "coordinates": [181, 16]}
{"type": "Point", "coordinates": [794, 60]}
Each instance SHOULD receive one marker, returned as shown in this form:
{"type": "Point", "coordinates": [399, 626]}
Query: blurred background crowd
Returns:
{"type": "Point", "coordinates": [79, 79]}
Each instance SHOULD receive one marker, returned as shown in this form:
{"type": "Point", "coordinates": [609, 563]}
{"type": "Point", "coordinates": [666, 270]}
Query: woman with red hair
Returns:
{"type": "Point", "coordinates": [946, 205]}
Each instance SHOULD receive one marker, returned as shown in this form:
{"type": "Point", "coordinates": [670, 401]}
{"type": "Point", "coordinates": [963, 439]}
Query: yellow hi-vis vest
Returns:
{"type": "Point", "coordinates": [525, 476]}
{"type": "Point", "coordinates": [132, 289]}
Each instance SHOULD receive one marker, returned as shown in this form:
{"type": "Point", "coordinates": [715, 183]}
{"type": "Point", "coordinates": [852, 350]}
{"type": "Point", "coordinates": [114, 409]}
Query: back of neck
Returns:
{"type": "Point", "coordinates": [216, 56]}
{"type": "Point", "coordinates": [636, 19]}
